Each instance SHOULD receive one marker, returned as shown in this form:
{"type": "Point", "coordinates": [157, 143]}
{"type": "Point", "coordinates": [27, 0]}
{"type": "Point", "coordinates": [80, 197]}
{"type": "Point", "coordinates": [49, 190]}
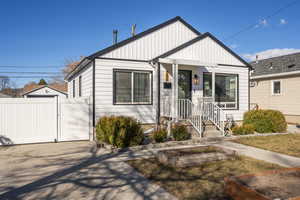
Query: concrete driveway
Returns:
{"type": "Point", "coordinates": [72, 170]}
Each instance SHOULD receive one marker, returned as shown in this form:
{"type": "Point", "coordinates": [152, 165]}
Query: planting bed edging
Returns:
{"type": "Point", "coordinates": [238, 191]}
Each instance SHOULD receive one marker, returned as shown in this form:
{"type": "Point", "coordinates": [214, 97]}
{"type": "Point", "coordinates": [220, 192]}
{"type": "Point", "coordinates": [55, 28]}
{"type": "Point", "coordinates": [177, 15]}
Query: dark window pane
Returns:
{"type": "Point", "coordinates": [123, 87]}
{"type": "Point", "coordinates": [207, 84]}
{"type": "Point", "coordinates": [276, 87]}
{"type": "Point", "coordinates": [73, 88]}
{"type": "Point", "coordinates": [141, 90]}
{"type": "Point", "coordinates": [226, 86]}
{"type": "Point", "coordinates": [79, 86]}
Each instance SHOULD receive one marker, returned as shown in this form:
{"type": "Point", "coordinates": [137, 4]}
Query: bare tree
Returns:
{"type": "Point", "coordinates": [4, 82]}
{"type": "Point", "coordinates": [70, 64]}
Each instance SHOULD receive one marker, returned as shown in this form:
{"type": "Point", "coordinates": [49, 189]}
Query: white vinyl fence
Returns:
{"type": "Point", "coordinates": [36, 120]}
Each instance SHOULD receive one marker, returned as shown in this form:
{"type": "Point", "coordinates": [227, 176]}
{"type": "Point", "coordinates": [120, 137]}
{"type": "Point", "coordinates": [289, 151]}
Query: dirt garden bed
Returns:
{"type": "Point", "coordinates": [277, 184]}
{"type": "Point", "coordinates": [202, 181]}
{"type": "Point", "coordinates": [194, 156]}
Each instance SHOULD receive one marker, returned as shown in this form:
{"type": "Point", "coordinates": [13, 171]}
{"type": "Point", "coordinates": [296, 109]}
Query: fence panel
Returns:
{"type": "Point", "coordinates": [25, 120]}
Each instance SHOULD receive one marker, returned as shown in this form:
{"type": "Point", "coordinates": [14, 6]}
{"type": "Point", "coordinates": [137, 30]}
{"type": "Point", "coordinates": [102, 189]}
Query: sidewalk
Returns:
{"type": "Point", "coordinates": [261, 154]}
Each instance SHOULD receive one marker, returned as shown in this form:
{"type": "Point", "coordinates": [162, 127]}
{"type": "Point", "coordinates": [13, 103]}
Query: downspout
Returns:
{"type": "Point", "coordinates": [157, 67]}
{"type": "Point", "coordinates": [94, 107]}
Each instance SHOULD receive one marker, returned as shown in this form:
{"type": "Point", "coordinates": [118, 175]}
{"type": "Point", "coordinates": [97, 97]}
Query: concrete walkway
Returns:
{"type": "Point", "coordinates": [260, 154]}
{"type": "Point", "coordinates": [74, 170]}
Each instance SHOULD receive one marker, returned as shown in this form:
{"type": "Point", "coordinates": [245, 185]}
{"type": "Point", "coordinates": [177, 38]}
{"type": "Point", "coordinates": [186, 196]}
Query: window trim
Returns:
{"type": "Point", "coordinates": [237, 93]}
{"type": "Point", "coordinates": [132, 91]}
{"type": "Point", "coordinates": [79, 86]}
{"type": "Point", "coordinates": [272, 87]}
{"type": "Point", "coordinates": [74, 88]}
{"type": "Point", "coordinates": [214, 95]}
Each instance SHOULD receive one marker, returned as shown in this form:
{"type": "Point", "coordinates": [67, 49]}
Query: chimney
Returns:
{"type": "Point", "coordinates": [133, 29]}
{"type": "Point", "coordinates": [256, 59]}
{"type": "Point", "coordinates": [115, 36]}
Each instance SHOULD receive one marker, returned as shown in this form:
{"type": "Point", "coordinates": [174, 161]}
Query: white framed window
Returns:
{"type": "Point", "coordinates": [74, 88]}
{"type": "Point", "coordinates": [79, 86]}
{"type": "Point", "coordinates": [276, 88]}
{"type": "Point", "coordinates": [226, 89]}
{"type": "Point", "coordinates": [132, 87]}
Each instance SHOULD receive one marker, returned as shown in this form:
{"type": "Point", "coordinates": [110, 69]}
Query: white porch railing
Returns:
{"type": "Point", "coordinates": [212, 112]}
{"type": "Point", "coordinates": [196, 112]}
{"type": "Point", "coordinates": [187, 110]}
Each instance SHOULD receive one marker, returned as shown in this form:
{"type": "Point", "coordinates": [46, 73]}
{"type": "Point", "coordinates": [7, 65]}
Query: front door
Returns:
{"type": "Point", "coordinates": [184, 84]}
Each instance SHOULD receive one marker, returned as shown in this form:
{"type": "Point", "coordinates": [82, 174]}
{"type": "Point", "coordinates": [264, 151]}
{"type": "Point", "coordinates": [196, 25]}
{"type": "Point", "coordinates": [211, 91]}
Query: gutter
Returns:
{"type": "Point", "coordinates": [275, 75]}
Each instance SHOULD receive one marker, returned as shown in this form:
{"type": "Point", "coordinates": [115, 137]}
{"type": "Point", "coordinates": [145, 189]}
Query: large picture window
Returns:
{"type": "Point", "coordinates": [132, 87]}
{"type": "Point", "coordinates": [225, 91]}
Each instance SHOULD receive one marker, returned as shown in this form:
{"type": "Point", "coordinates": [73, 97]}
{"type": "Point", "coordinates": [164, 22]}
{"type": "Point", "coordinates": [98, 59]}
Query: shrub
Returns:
{"type": "Point", "coordinates": [266, 121]}
{"type": "Point", "coordinates": [159, 135]}
{"type": "Point", "coordinates": [119, 131]}
{"type": "Point", "coordinates": [180, 132]}
{"type": "Point", "coordinates": [243, 130]}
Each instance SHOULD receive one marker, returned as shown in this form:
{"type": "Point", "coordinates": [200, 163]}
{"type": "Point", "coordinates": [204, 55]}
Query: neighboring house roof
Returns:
{"type": "Point", "coordinates": [281, 65]}
{"type": "Point", "coordinates": [200, 36]}
{"type": "Point", "coordinates": [43, 86]}
{"type": "Point", "coordinates": [4, 95]}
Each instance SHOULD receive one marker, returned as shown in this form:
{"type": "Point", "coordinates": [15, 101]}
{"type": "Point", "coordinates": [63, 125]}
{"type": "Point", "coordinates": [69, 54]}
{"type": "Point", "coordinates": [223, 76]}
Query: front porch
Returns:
{"type": "Point", "coordinates": [197, 92]}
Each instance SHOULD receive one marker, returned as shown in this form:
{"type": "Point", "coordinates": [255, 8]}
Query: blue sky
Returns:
{"type": "Point", "coordinates": [43, 33]}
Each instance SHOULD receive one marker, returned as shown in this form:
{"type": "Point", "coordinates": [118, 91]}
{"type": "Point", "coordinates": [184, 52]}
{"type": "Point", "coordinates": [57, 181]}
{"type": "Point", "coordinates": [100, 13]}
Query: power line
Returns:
{"type": "Point", "coordinates": [30, 73]}
{"type": "Point", "coordinates": [268, 17]}
{"type": "Point", "coordinates": [32, 76]}
{"type": "Point", "coordinates": [31, 66]}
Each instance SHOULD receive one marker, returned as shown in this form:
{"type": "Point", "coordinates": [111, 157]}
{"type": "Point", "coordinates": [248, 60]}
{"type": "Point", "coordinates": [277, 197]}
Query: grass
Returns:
{"type": "Point", "coordinates": [287, 144]}
{"type": "Point", "coordinates": [201, 182]}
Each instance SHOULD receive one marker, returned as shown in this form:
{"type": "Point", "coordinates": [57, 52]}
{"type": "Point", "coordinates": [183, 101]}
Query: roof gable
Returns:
{"type": "Point", "coordinates": [42, 87]}
{"type": "Point", "coordinates": [208, 49]}
{"type": "Point", "coordinates": [152, 42]}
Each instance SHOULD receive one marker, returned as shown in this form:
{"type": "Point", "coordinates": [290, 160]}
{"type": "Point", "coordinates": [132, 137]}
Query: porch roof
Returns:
{"type": "Point", "coordinates": [186, 62]}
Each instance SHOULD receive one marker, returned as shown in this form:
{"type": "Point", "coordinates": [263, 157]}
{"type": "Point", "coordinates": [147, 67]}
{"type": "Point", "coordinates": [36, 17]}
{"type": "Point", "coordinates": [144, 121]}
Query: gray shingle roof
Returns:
{"type": "Point", "coordinates": [280, 64]}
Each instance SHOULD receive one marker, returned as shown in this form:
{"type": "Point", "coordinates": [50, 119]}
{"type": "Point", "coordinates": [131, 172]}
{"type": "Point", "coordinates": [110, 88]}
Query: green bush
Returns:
{"type": "Point", "coordinates": [266, 121]}
{"type": "Point", "coordinates": [159, 135]}
{"type": "Point", "coordinates": [180, 132]}
{"type": "Point", "coordinates": [243, 130]}
{"type": "Point", "coordinates": [119, 131]}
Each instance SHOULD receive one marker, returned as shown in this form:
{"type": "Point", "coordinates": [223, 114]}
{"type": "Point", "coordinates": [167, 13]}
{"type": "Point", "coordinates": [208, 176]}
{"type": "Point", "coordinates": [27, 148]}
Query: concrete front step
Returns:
{"type": "Point", "coordinates": [215, 133]}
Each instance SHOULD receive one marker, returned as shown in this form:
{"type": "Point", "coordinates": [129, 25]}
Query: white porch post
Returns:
{"type": "Point", "coordinates": [174, 92]}
{"type": "Point", "coordinates": [213, 78]}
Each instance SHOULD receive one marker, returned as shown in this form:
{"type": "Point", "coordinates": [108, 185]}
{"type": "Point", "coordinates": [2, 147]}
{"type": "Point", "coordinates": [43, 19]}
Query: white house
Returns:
{"type": "Point", "coordinates": [45, 91]}
{"type": "Point", "coordinates": [170, 70]}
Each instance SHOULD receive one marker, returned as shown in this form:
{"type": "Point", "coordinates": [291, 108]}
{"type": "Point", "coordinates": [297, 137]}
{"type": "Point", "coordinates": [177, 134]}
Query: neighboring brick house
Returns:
{"type": "Point", "coordinates": [275, 84]}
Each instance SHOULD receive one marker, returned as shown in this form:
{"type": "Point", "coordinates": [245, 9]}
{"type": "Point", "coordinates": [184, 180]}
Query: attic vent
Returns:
{"type": "Point", "coordinates": [291, 66]}
{"type": "Point", "coordinates": [271, 65]}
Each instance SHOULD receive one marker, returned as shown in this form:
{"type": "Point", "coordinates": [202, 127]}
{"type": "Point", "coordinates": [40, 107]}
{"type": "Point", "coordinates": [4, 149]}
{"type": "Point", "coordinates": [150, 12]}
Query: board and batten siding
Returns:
{"type": "Point", "coordinates": [104, 91]}
{"type": "Point", "coordinates": [154, 44]}
{"type": "Point", "coordinates": [207, 51]}
{"type": "Point", "coordinates": [86, 83]}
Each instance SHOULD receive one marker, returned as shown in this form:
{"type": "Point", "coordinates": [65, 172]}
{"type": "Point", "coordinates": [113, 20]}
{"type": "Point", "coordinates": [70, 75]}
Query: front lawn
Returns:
{"type": "Point", "coordinates": [201, 182]}
{"type": "Point", "coordinates": [287, 144]}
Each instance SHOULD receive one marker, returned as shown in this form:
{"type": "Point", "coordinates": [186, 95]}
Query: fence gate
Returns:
{"type": "Point", "coordinates": [74, 118]}
{"type": "Point", "coordinates": [37, 120]}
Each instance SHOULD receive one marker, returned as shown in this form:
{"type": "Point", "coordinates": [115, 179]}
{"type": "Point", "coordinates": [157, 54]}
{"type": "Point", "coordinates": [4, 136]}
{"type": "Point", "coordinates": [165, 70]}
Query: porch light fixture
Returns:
{"type": "Point", "coordinates": [166, 76]}
{"type": "Point", "coordinates": [196, 79]}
